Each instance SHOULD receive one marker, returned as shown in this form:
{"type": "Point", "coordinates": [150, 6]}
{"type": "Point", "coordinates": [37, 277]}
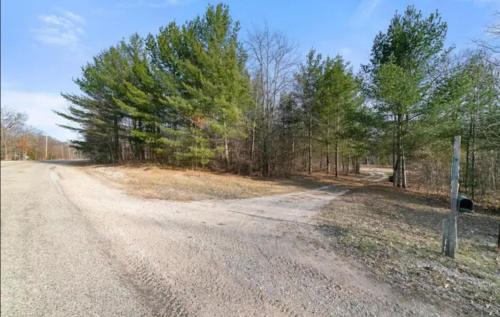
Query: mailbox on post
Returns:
{"type": "Point", "coordinates": [465, 205]}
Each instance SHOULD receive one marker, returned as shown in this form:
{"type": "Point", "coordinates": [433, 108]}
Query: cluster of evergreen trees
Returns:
{"type": "Point", "coordinates": [196, 95]}
{"type": "Point", "coordinates": [177, 97]}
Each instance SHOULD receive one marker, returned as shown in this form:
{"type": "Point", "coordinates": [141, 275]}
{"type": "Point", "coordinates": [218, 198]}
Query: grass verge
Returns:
{"type": "Point", "coordinates": [396, 235]}
{"type": "Point", "coordinates": [154, 181]}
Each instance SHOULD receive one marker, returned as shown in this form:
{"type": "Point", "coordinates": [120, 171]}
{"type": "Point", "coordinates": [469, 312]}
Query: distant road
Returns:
{"type": "Point", "coordinates": [73, 246]}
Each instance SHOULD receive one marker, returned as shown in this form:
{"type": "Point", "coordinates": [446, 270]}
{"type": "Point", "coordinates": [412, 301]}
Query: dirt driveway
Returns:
{"type": "Point", "coordinates": [72, 245]}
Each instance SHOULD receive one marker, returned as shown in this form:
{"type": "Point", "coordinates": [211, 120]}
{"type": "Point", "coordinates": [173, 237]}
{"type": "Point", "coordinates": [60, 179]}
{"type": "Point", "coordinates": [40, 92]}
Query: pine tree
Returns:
{"type": "Point", "coordinates": [307, 83]}
{"type": "Point", "coordinates": [338, 95]}
{"type": "Point", "coordinates": [399, 76]}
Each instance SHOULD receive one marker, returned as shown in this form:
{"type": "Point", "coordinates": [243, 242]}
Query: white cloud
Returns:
{"type": "Point", "coordinates": [364, 11]}
{"type": "Point", "coordinates": [64, 29]}
{"type": "Point", "coordinates": [39, 107]}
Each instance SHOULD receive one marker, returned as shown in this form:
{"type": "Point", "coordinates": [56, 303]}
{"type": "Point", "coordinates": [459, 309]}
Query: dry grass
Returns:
{"type": "Point", "coordinates": [153, 181]}
{"type": "Point", "coordinates": [419, 181]}
{"type": "Point", "coordinates": [396, 234]}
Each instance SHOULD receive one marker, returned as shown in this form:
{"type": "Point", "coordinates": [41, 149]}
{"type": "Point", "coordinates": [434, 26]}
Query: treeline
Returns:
{"type": "Point", "coordinates": [23, 142]}
{"type": "Point", "coordinates": [196, 95]}
{"type": "Point", "coordinates": [178, 97]}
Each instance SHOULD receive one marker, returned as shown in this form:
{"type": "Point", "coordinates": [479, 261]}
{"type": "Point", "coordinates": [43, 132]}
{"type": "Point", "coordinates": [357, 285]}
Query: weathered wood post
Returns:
{"type": "Point", "coordinates": [444, 228]}
{"type": "Point", "coordinates": [451, 233]}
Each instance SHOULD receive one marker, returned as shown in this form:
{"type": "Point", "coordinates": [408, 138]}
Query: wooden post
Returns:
{"type": "Point", "coordinates": [451, 243]}
{"type": "Point", "coordinates": [444, 228]}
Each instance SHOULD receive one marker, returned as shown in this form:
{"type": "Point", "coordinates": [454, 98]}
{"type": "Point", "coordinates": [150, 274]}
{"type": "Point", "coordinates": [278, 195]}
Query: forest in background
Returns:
{"type": "Point", "coordinates": [23, 142]}
{"type": "Point", "coordinates": [196, 95]}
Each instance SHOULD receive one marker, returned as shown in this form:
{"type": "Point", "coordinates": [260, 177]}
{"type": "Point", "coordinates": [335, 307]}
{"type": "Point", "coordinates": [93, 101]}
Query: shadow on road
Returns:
{"type": "Point", "coordinates": [68, 162]}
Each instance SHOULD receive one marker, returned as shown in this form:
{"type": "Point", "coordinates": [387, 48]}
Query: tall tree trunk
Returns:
{"type": "Point", "coordinates": [252, 148]}
{"type": "Point", "coordinates": [336, 157]}
{"type": "Point", "coordinates": [265, 155]}
{"type": "Point", "coordinates": [226, 152]}
{"type": "Point", "coordinates": [254, 127]}
{"type": "Point", "coordinates": [321, 158]}
{"type": "Point", "coordinates": [473, 161]}
{"type": "Point", "coordinates": [337, 137]}
{"type": "Point", "coordinates": [226, 147]}
{"type": "Point", "coordinates": [404, 176]}
{"type": "Point", "coordinates": [394, 144]}
{"type": "Point", "coordinates": [395, 174]}
{"type": "Point", "coordinates": [141, 149]}
{"type": "Point", "coordinates": [403, 167]}
{"type": "Point", "coordinates": [304, 160]}
{"type": "Point", "coordinates": [493, 172]}
{"type": "Point", "coordinates": [116, 139]}
{"type": "Point", "coordinates": [398, 167]}
{"type": "Point", "coordinates": [111, 153]}
{"type": "Point", "coordinates": [400, 156]}
{"type": "Point", "coordinates": [310, 144]}
{"type": "Point", "coordinates": [328, 167]}
{"type": "Point", "coordinates": [348, 164]}
{"type": "Point", "coordinates": [328, 164]}
{"type": "Point", "coordinates": [395, 170]}
{"type": "Point", "coordinates": [267, 144]}
{"type": "Point", "coordinates": [262, 157]}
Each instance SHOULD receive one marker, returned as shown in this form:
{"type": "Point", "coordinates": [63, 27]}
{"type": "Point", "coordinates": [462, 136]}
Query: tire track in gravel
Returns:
{"type": "Point", "coordinates": [211, 258]}
{"type": "Point", "coordinates": [154, 291]}
{"type": "Point", "coordinates": [212, 273]}
{"type": "Point", "coordinates": [285, 272]}
{"type": "Point", "coordinates": [154, 288]}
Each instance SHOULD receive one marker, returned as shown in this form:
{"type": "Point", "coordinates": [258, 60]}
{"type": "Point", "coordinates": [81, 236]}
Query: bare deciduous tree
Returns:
{"type": "Point", "coordinates": [493, 43]}
{"type": "Point", "coordinates": [272, 62]}
{"type": "Point", "coordinates": [21, 141]}
{"type": "Point", "coordinates": [12, 123]}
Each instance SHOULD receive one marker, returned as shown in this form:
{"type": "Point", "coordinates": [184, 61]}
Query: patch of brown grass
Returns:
{"type": "Point", "coordinates": [155, 181]}
{"type": "Point", "coordinates": [396, 234]}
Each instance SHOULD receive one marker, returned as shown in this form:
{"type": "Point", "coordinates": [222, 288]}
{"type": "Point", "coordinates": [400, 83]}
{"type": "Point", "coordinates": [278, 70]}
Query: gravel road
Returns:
{"type": "Point", "coordinates": [73, 246]}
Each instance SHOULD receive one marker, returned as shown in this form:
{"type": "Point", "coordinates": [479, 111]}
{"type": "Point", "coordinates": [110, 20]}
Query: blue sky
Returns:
{"type": "Point", "coordinates": [45, 43]}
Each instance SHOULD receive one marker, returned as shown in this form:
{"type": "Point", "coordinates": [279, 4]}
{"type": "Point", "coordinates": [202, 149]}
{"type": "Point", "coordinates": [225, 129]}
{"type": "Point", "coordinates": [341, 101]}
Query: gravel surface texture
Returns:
{"type": "Point", "coordinates": [74, 246]}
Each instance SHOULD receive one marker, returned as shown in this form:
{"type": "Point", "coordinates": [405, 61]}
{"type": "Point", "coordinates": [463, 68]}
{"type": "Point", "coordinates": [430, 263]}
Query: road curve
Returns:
{"type": "Point", "coordinates": [74, 246]}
